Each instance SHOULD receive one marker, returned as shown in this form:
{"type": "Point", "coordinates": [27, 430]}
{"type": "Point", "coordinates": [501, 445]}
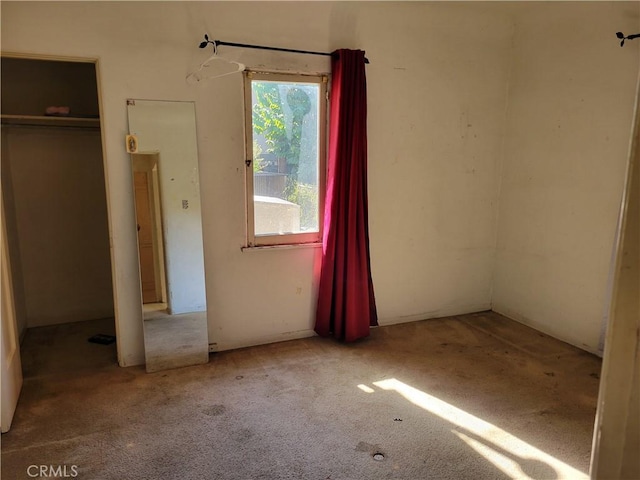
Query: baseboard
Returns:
{"type": "Point", "coordinates": [218, 346]}
{"type": "Point", "coordinates": [282, 337]}
{"type": "Point", "coordinates": [543, 329]}
{"type": "Point", "coordinates": [440, 313]}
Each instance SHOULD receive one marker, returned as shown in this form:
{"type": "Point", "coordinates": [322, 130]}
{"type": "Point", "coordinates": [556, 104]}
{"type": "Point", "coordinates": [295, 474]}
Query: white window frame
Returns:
{"type": "Point", "coordinates": [254, 240]}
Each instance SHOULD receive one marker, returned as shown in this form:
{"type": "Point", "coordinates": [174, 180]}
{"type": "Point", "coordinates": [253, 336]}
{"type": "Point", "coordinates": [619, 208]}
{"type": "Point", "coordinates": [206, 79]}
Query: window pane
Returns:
{"type": "Point", "coordinates": [285, 119]}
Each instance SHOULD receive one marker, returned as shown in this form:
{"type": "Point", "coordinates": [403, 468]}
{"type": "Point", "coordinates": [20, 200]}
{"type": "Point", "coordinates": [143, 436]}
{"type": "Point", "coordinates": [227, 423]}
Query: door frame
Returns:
{"type": "Point", "coordinates": [11, 369]}
{"type": "Point", "coordinates": [616, 422]}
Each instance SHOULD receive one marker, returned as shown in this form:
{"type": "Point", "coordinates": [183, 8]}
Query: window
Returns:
{"type": "Point", "coordinates": [285, 145]}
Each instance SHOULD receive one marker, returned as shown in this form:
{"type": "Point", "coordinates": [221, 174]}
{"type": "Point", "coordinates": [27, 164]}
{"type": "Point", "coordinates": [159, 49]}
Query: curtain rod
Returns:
{"type": "Point", "coordinates": [215, 44]}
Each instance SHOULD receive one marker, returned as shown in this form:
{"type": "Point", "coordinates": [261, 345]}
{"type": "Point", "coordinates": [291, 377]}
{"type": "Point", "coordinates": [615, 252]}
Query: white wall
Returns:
{"type": "Point", "coordinates": [437, 102]}
{"type": "Point", "coordinates": [437, 86]}
{"type": "Point", "coordinates": [571, 101]}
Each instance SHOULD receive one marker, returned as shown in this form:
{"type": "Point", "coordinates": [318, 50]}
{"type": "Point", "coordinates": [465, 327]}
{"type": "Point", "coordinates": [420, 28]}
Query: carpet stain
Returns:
{"type": "Point", "coordinates": [242, 435]}
{"type": "Point", "coordinates": [215, 410]}
{"type": "Point", "coordinates": [367, 447]}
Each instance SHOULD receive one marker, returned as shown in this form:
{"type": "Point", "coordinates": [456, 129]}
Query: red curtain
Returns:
{"type": "Point", "coordinates": [346, 303]}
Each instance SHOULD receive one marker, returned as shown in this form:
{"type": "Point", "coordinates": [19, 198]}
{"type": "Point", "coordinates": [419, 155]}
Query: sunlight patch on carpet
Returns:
{"type": "Point", "coordinates": [507, 452]}
{"type": "Point", "coordinates": [366, 389]}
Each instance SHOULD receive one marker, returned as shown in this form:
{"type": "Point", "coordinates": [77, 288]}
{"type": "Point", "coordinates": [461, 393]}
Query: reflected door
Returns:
{"type": "Point", "coordinates": [145, 238]}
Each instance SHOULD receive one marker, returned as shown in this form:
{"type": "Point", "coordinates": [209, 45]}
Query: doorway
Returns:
{"type": "Point", "coordinates": [54, 196]}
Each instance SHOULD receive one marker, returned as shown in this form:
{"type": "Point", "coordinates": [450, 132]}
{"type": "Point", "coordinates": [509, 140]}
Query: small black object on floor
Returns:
{"type": "Point", "coordinates": [102, 339]}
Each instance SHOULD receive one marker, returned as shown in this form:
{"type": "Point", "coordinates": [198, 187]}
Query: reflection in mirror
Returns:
{"type": "Point", "coordinates": [150, 237]}
{"type": "Point", "coordinates": [169, 224]}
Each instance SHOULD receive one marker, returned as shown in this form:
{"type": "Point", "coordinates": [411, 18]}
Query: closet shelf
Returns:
{"type": "Point", "coordinates": [50, 121]}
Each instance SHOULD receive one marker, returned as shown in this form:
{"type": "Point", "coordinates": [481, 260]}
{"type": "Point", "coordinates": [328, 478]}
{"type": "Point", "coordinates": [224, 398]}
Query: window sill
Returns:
{"type": "Point", "coordinates": [288, 246]}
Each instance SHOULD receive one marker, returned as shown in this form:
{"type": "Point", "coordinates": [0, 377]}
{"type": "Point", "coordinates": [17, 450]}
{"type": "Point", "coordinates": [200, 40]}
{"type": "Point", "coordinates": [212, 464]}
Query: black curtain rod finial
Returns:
{"type": "Point", "coordinates": [207, 42]}
{"type": "Point", "coordinates": [622, 37]}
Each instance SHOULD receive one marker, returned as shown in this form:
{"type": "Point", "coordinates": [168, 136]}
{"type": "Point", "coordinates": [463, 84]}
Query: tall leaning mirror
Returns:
{"type": "Point", "coordinates": [164, 162]}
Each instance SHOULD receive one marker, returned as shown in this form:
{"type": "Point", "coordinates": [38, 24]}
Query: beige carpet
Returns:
{"type": "Point", "coordinates": [468, 397]}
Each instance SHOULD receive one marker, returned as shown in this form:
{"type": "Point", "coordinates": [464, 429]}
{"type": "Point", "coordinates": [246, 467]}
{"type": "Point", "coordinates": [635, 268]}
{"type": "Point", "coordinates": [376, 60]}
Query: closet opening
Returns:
{"type": "Point", "coordinates": [55, 206]}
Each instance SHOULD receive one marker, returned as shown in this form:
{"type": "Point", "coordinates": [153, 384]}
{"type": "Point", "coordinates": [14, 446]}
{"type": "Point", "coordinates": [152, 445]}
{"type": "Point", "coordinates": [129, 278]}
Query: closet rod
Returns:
{"type": "Point", "coordinates": [46, 127]}
{"type": "Point", "coordinates": [50, 121]}
{"type": "Point", "coordinates": [261, 47]}
{"type": "Point", "coordinates": [41, 125]}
